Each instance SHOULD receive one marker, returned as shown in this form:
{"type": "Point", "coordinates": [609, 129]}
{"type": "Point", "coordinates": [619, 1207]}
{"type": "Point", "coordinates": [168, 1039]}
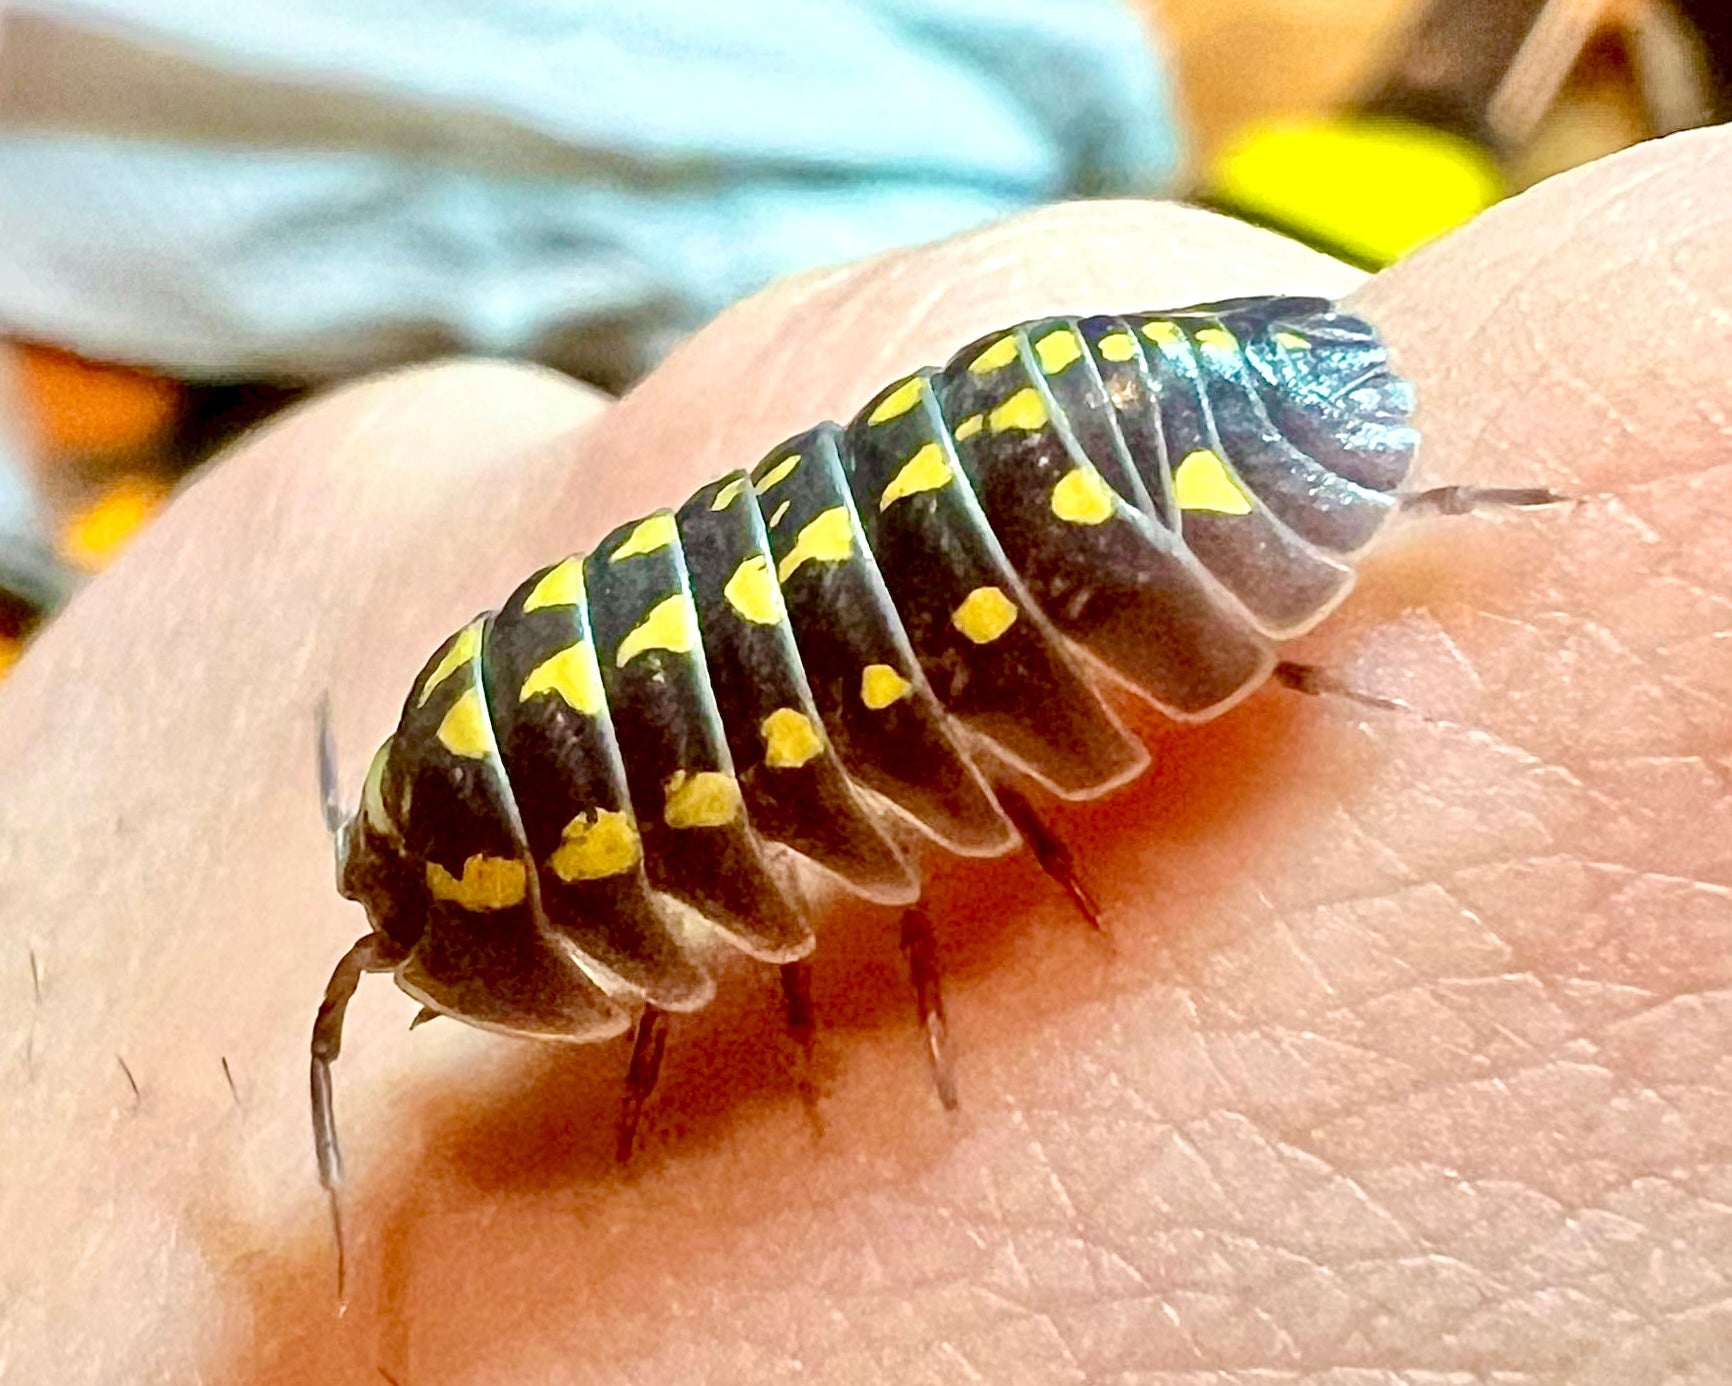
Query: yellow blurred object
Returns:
{"type": "Point", "coordinates": [95, 534]}
{"type": "Point", "coordinates": [1371, 190]}
{"type": "Point", "coordinates": [10, 649]}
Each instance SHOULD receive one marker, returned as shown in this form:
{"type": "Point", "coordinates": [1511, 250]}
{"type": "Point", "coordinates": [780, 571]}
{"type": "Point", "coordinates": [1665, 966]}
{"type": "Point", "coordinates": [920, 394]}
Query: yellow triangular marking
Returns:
{"type": "Point", "coordinates": [985, 614]}
{"type": "Point", "coordinates": [925, 471]}
{"type": "Point", "coordinates": [790, 739]}
{"type": "Point", "coordinates": [657, 532]}
{"type": "Point", "coordinates": [1202, 482]}
{"type": "Point", "coordinates": [1025, 410]}
{"type": "Point", "coordinates": [899, 401]}
{"type": "Point", "coordinates": [463, 649]}
{"type": "Point", "coordinates": [880, 685]}
{"type": "Point", "coordinates": [1082, 497]}
{"type": "Point", "coordinates": [1217, 339]}
{"type": "Point", "coordinates": [827, 539]}
{"type": "Point", "coordinates": [778, 473]}
{"type": "Point", "coordinates": [969, 427]}
{"type": "Point", "coordinates": [753, 593]}
{"type": "Point", "coordinates": [464, 730]}
{"type": "Point", "coordinates": [1118, 346]}
{"type": "Point", "coordinates": [1057, 350]}
{"type": "Point", "coordinates": [708, 799]}
{"type": "Point", "coordinates": [572, 674]}
{"type": "Point", "coordinates": [671, 625]}
{"type": "Point", "coordinates": [1293, 341]}
{"type": "Point", "coordinates": [487, 883]}
{"type": "Point", "coordinates": [1163, 333]}
{"type": "Point", "coordinates": [561, 586]}
{"type": "Point", "coordinates": [1000, 353]}
{"type": "Point", "coordinates": [594, 849]}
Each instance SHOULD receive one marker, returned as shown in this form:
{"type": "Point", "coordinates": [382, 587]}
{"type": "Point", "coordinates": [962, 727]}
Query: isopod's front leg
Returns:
{"type": "Point", "coordinates": [1464, 500]}
{"type": "Point", "coordinates": [1316, 681]}
{"type": "Point", "coordinates": [374, 953]}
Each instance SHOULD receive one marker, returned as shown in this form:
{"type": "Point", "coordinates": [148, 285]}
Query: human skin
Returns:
{"type": "Point", "coordinates": [1406, 1060]}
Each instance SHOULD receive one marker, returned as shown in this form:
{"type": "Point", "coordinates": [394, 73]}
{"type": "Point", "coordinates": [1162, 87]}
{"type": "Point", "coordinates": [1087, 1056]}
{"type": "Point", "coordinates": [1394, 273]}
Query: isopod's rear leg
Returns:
{"type": "Point", "coordinates": [1464, 500]}
{"type": "Point", "coordinates": [1050, 851]}
{"type": "Point", "coordinates": [647, 1050]}
{"type": "Point", "coordinates": [374, 953]}
{"type": "Point", "coordinates": [921, 947]}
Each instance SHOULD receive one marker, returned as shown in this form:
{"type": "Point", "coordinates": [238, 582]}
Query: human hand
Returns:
{"type": "Point", "coordinates": [1409, 1055]}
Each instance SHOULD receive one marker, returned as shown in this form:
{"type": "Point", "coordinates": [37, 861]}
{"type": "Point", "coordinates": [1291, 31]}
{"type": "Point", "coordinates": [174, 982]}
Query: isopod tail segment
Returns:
{"type": "Point", "coordinates": [642, 753]}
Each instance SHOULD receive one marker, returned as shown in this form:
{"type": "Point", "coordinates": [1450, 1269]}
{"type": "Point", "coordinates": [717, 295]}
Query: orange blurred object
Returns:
{"type": "Point", "coordinates": [87, 409]}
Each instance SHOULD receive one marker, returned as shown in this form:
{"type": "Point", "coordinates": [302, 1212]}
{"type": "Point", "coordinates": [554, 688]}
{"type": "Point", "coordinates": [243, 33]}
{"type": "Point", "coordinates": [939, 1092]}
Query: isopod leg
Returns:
{"type": "Point", "coordinates": [374, 953]}
{"type": "Point", "coordinates": [1317, 682]}
{"type": "Point", "coordinates": [640, 1079]}
{"type": "Point", "coordinates": [922, 950]}
{"type": "Point", "coordinates": [1464, 500]}
{"type": "Point", "coordinates": [797, 995]}
{"type": "Point", "coordinates": [1050, 851]}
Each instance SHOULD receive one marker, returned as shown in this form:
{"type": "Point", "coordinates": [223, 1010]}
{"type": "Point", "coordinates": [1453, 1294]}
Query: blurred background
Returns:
{"type": "Point", "coordinates": [208, 209]}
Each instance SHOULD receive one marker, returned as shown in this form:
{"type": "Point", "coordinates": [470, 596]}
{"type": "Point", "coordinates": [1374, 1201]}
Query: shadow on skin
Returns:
{"type": "Point", "coordinates": [506, 1206]}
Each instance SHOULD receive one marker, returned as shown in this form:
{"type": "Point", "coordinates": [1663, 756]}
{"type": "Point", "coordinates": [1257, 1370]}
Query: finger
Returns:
{"type": "Point", "coordinates": [158, 810]}
{"type": "Point", "coordinates": [205, 926]}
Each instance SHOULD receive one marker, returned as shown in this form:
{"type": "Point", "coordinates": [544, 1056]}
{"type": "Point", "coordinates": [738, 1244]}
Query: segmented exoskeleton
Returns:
{"type": "Point", "coordinates": [867, 632]}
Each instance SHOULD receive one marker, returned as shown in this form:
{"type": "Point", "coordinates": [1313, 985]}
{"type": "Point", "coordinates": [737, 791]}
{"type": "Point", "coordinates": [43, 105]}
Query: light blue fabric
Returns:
{"type": "Point", "coordinates": [305, 188]}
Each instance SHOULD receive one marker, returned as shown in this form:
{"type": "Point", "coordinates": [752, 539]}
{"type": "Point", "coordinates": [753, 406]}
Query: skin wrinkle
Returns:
{"type": "Point", "coordinates": [1095, 1061]}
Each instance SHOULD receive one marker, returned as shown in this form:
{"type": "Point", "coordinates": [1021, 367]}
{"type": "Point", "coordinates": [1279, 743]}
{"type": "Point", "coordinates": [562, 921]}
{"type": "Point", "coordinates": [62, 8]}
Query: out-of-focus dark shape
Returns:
{"type": "Point", "coordinates": [1452, 122]}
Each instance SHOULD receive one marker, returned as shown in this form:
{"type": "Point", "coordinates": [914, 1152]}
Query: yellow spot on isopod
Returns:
{"type": "Point", "coordinates": [1293, 341]}
{"type": "Point", "coordinates": [1118, 346]}
{"type": "Point", "coordinates": [778, 473]}
{"type": "Point", "coordinates": [487, 883]}
{"type": "Point", "coordinates": [827, 539]}
{"type": "Point", "coordinates": [777, 514]}
{"type": "Point", "coordinates": [1025, 410]}
{"type": "Point", "coordinates": [671, 625]}
{"type": "Point", "coordinates": [708, 799]}
{"type": "Point", "coordinates": [1057, 350]}
{"type": "Point", "coordinates": [652, 534]}
{"type": "Point", "coordinates": [463, 649]}
{"type": "Point", "coordinates": [898, 402]}
{"type": "Point", "coordinates": [561, 585]}
{"type": "Point", "coordinates": [1000, 353]}
{"type": "Point", "coordinates": [1082, 497]}
{"type": "Point", "coordinates": [595, 847]}
{"type": "Point", "coordinates": [572, 674]}
{"type": "Point", "coordinates": [753, 593]}
{"type": "Point", "coordinates": [1217, 339]}
{"type": "Point", "coordinates": [728, 494]}
{"type": "Point", "coordinates": [1202, 482]}
{"type": "Point", "coordinates": [1163, 333]}
{"type": "Point", "coordinates": [969, 427]}
{"type": "Point", "coordinates": [925, 471]}
{"type": "Point", "coordinates": [880, 685]}
{"type": "Point", "coordinates": [373, 791]}
{"type": "Point", "coordinates": [464, 730]}
{"type": "Point", "coordinates": [790, 739]}
{"type": "Point", "coordinates": [985, 614]}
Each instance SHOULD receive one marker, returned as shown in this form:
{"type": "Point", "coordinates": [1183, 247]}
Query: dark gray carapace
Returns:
{"type": "Point", "coordinates": [875, 630]}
